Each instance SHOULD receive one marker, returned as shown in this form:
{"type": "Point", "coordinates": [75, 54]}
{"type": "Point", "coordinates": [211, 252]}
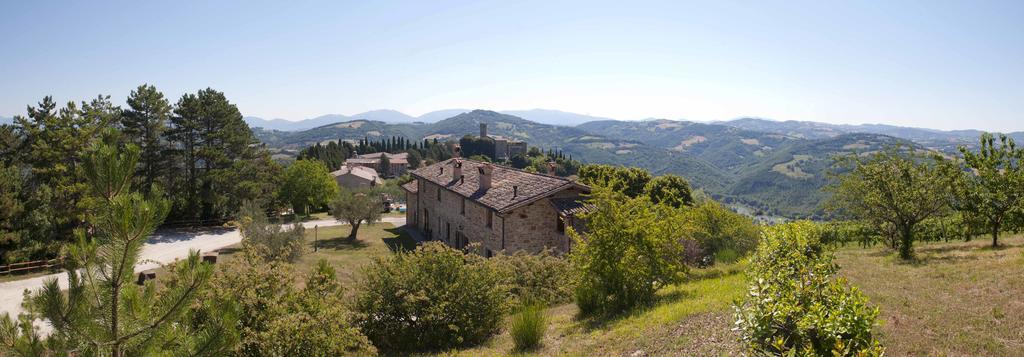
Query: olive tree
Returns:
{"type": "Point", "coordinates": [356, 208]}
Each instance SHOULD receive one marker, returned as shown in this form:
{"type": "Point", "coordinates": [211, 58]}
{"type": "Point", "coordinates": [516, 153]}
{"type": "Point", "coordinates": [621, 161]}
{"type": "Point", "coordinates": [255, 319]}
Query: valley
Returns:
{"type": "Point", "coordinates": [774, 169]}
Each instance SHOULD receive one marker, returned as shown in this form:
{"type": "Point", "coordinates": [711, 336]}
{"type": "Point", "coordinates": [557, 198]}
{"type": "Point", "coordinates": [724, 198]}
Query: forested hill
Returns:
{"type": "Point", "coordinates": [769, 172]}
{"type": "Point", "coordinates": [943, 140]}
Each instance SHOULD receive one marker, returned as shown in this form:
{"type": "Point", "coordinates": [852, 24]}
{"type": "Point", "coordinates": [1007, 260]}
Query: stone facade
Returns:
{"type": "Point", "coordinates": [458, 220]}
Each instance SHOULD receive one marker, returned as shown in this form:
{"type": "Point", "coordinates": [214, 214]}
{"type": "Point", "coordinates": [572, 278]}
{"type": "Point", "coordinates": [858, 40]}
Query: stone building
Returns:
{"type": "Point", "coordinates": [352, 176]}
{"type": "Point", "coordinates": [504, 148]}
{"type": "Point", "coordinates": [399, 163]}
{"type": "Point", "coordinates": [460, 201]}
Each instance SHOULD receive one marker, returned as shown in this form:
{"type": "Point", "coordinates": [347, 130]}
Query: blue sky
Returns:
{"type": "Point", "coordinates": [938, 64]}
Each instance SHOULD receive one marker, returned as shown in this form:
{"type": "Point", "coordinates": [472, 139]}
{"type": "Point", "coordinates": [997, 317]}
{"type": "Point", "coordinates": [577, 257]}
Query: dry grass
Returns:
{"type": "Point", "coordinates": [691, 319]}
{"type": "Point", "coordinates": [957, 298]}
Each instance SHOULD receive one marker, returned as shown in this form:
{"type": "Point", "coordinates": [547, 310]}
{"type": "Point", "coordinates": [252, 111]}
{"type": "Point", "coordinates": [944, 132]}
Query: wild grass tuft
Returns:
{"type": "Point", "coordinates": [528, 327]}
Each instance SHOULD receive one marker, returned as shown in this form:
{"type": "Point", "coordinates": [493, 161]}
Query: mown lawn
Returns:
{"type": "Point", "coordinates": [957, 298]}
{"type": "Point", "coordinates": [693, 318]}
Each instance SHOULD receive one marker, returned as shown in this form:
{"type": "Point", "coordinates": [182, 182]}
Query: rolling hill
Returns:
{"type": "Point", "coordinates": [767, 172]}
{"type": "Point", "coordinates": [543, 116]}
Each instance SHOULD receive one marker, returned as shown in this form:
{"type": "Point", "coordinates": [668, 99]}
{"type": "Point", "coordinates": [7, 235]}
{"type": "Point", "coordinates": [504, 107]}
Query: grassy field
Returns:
{"type": "Point", "coordinates": [693, 318]}
{"type": "Point", "coordinates": [346, 256]}
{"type": "Point", "coordinates": [957, 298]}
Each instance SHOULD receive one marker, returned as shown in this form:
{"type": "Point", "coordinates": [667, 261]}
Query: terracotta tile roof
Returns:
{"type": "Point", "coordinates": [358, 171]}
{"type": "Point", "coordinates": [529, 187]}
{"type": "Point", "coordinates": [570, 206]}
{"type": "Point", "coordinates": [411, 186]}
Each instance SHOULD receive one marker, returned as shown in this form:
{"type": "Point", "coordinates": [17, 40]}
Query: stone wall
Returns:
{"type": "Point", "coordinates": [447, 222]}
{"type": "Point", "coordinates": [530, 228]}
{"type": "Point", "coordinates": [535, 226]}
{"type": "Point", "coordinates": [411, 209]}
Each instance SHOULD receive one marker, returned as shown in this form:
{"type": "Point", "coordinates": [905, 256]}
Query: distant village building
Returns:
{"type": "Point", "coordinates": [353, 176]}
{"type": "Point", "coordinates": [398, 163]}
{"type": "Point", "coordinates": [460, 201]}
{"type": "Point", "coordinates": [504, 148]}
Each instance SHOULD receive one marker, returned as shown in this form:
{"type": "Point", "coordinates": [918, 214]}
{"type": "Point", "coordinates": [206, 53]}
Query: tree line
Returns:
{"type": "Point", "coordinates": [197, 148]}
{"type": "Point", "coordinates": [334, 153]}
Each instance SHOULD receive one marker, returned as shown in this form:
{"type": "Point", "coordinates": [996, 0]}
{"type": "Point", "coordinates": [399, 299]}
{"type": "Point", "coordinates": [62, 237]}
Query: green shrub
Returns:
{"type": "Point", "coordinates": [717, 229]}
{"type": "Point", "coordinates": [272, 241]}
{"type": "Point", "coordinates": [726, 256]}
{"type": "Point", "coordinates": [796, 306]}
{"type": "Point", "coordinates": [539, 278]}
{"type": "Point", "coordinates": [276, 319]}
{"type": "Point", "coordinates": [630, 250]}
{"type": "Point", "coordinates": [528, 327]}
{"type": "Point", "coordinates": [432, 298]}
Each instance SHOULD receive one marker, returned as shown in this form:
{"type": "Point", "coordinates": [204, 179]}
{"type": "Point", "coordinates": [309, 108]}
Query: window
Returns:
{"type": "Point", "coordinates": [490, 219]}
{"type": "Point", "coordinates": [438, 193]}
{"type": "Point", "coordinates": [463, 206]}
{"type": "Point", "coordinates": [560, 225]}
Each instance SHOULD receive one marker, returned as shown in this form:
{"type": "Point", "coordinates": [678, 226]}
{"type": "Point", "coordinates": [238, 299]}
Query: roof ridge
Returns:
{"type": "Point", "coordinates": [512, 168]}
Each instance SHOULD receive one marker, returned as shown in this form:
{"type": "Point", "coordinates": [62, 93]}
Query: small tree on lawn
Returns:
{"type": "Point", "coordinates": [895, 189]}
{"type": "Point", "coordinates": [103, 311]}
{"type": "Point", "coordinates": [993, 192]}
{"type": "Point", "coordinates": [307, 184]}
{"type": "Point", "coordinates": [357, 208]}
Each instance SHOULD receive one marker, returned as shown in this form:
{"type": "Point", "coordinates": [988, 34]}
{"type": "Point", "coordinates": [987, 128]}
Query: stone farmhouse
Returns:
{"type": "Point", "coordinates": [352, 176]}
{"type": "Point", "coordinates": [399, 163]}
{"type": "Point", "coordinates": [460, 201]}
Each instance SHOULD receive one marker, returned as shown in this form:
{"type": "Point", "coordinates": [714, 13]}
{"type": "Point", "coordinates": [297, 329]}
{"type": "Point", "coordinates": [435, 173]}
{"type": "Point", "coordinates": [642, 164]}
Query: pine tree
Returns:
{"type": "Point", "coordinates": [184, 134]}
{"type": "Point", "coordinates": [103, 311]}
{"type": "Point", "coordinates": [144, 124]}
{"type": "Point", "coordinates": [210, 139]}
{"type": "Point", "coordinates": [52, 149]}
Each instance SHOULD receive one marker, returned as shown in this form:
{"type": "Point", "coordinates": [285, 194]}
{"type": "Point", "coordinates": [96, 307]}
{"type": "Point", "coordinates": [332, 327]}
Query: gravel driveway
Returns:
{"type": "Point", "coordinates": [163, 247]}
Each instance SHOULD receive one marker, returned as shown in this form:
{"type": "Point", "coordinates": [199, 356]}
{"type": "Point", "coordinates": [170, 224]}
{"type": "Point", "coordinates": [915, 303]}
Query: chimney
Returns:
{"type": "Point", "coordinates": [485, 176]}
{"type": "Point", "coordinates": [483, 130]}
{"type": "Point", "coordinates": [551, 168]}
{"type": "Point", "coordinates": [456, 169]}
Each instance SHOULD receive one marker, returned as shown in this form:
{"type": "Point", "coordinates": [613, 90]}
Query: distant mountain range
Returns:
{"type": "Point", "coordinates": [6, 120]}
{"type": "Point", "coordinates": [762, 170]}
{"type": "Point", "coordinates": [543, 116]}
